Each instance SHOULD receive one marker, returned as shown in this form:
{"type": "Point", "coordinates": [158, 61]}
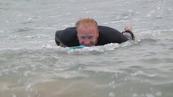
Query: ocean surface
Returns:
{"type": "Point", "coordinates": [31, 65]}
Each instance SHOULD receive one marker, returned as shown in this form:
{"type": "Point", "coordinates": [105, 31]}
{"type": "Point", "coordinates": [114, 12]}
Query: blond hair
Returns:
{"type": "Point", "coordinates": [86, 22]}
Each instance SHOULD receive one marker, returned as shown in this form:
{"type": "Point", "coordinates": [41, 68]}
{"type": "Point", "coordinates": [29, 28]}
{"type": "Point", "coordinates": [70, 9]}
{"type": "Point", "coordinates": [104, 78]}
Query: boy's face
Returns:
{"type": "Point", "coordinates": [87, 35]}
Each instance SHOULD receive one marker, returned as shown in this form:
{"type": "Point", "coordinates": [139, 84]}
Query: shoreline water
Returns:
{"type": "Point", "coordinates": [31, 65]}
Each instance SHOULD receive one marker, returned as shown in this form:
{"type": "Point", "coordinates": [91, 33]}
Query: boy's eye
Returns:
{"type": "Point", "coordinates": [84, 37]}
{"type": "Point", "coordinates": [90, 37]}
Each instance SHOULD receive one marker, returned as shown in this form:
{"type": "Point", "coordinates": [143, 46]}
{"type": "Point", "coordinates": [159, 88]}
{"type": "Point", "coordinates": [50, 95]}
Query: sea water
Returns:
{"type": "Point", "coordinates": [31, 65]}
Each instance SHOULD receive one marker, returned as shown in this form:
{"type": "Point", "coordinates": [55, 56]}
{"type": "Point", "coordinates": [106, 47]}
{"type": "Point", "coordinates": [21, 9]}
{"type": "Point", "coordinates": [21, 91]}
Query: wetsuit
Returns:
{"type": "Point", "coordinates": [68, 36]}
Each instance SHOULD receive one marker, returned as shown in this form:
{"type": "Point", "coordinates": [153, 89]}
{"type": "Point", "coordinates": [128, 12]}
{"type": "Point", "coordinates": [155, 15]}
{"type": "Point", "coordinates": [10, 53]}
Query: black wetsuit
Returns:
{"type": "Point", "coordinates": [68, 37]}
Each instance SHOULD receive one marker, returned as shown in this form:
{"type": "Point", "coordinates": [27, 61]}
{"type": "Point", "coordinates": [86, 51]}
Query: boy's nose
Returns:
{"type": "Point", "coordinates": [87, 41]}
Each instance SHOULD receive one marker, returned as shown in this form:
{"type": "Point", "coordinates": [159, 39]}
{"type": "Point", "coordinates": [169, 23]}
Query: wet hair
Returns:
{"type": "Point", "coordinates": [86, 21]}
